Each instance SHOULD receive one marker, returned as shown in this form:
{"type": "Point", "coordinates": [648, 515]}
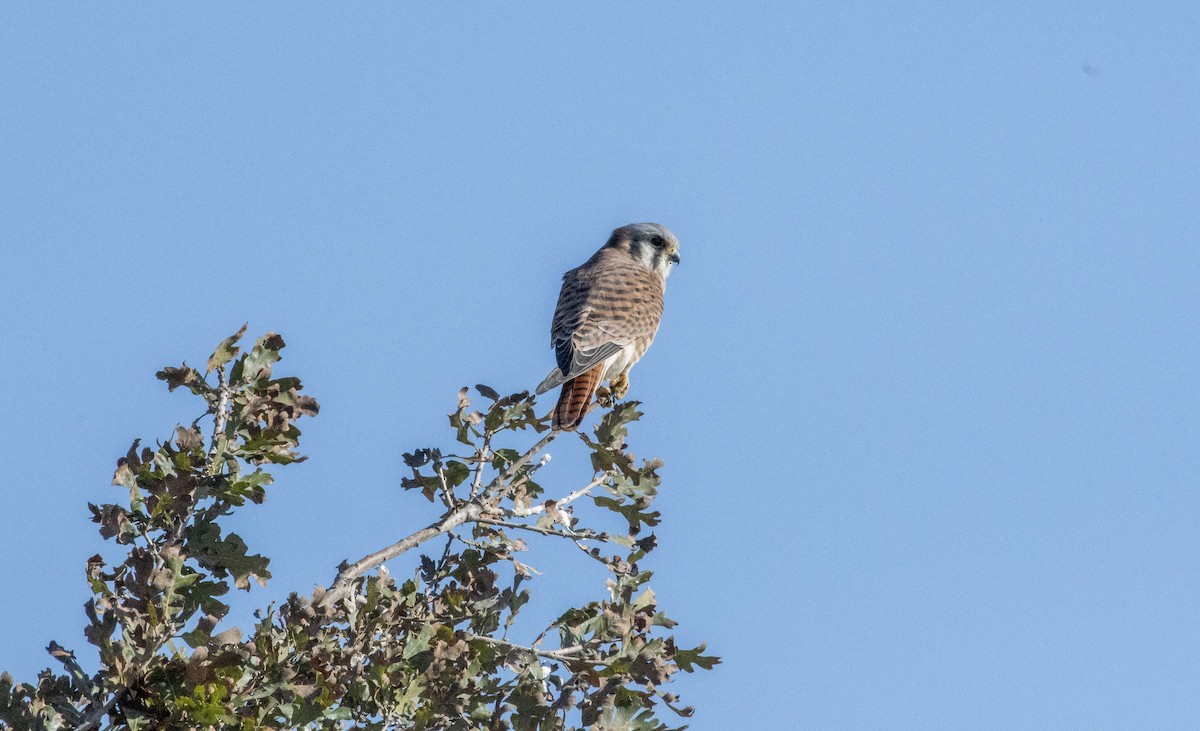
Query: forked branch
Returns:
{"type": "Point", "coordinates": [467, 512]}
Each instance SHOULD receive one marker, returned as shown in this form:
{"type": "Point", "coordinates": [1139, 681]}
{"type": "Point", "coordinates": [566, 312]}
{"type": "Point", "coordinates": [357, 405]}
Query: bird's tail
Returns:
{"type": "Point", "coordinates": [575, 398]}
{"type": "Point", "coordinates": [550, 381]}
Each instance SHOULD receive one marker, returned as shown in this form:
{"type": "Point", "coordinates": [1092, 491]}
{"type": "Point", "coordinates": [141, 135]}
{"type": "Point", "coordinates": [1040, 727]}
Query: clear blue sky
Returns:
{"type": "Point", "coordinates": [927, 382]}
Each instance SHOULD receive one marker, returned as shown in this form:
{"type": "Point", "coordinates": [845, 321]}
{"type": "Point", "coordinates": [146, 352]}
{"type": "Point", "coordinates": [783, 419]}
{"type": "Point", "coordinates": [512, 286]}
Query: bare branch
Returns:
{"type": "Point", "coordinates": [341, 585]}
{"type": "Point", "coordinates": [594, 556]}
{"type": "Point", "coordinates": [527, 475]}
{"type": "Point", "coordinates": [481, 460]}
{"type": "Point", "coordinates": [523, 460]}
{"type": "Point", "coordinates": [464, 513]}
{"type": "Point", "coordinates": [541, 508]}
{"type": "Point", "coordinates": [93, 719]}
{"type": "Point", "coordinates": [566, 654]}
{"type": "Point", "coordinates": [220, 418]}
{"type": "Point", "coordinates": [582, 535]}
{"type": "Point", "coordinates": [445, 493]}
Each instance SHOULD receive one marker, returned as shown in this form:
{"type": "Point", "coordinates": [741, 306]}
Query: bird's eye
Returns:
{"type": "Point", "coordinates": [657, 241]}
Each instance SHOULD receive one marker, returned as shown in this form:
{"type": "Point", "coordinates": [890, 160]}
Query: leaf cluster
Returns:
{"type": "Point", "coordinates": [429, 651]}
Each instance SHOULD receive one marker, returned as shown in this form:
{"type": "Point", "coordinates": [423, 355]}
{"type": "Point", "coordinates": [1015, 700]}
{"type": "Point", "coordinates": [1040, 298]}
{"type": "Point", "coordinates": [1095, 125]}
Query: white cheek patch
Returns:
{"type": "Point", "coordinates": [650, 257]}
{"type": "Point", "coordinates": [661, 263]}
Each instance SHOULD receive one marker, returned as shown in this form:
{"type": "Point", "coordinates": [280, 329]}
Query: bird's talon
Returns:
{"type": "Point", "coordinates": [604, 397]}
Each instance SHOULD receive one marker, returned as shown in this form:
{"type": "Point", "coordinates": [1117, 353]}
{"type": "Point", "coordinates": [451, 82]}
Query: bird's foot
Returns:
{"type": "Point", "coordinates": [604, 397]}
{"type": "Point", "coordinates": [619, 387]}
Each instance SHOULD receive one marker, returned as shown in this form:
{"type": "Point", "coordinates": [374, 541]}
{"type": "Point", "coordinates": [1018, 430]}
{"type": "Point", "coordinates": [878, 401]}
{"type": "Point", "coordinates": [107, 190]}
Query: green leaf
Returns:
{"type": "Point", "coordinates": [456, 472]}
{"type": "Point", "coordinates": [251, 486]}
{"type": "Point", "coordinates": [419, 642]}
{"type": "Point", "coordinates": [688, 660]}
{"type": "Point", "coordinates": [226, 351]}
{"type": "Point", "coordinates": [183, 376]}
{"type": "Point", "coordinates": [634, 513]}
{"type": "Point", "coordinates": [462, 423]}
{"type": "Point", "coordinates": [614, 425]}
{"type": "Point", "coordinates": [427, 484]}
{"type": "Point", "coordinates": [257, 363]}
{"type": "Point", "coordinates": [229, 556]}
{"type": "Point", "coordinates": [419, 457]}
{"type": "Point", "coordinates": [201, 634]}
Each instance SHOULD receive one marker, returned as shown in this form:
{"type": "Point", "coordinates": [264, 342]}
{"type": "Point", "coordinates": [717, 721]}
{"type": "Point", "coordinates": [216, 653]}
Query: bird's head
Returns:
{"type": "Point", "coordinates": [652, 244]}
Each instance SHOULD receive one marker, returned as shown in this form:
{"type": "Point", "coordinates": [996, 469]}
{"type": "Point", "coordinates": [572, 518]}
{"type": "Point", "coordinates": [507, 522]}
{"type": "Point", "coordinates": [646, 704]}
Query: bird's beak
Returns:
{"type": "Point", "coordinates": [674, 257]}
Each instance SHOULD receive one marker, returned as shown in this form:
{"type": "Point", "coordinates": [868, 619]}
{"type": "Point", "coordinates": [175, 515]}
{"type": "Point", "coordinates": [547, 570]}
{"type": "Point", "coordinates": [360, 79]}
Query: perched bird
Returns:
{"type": "Point", "coordinates": [608, 312]}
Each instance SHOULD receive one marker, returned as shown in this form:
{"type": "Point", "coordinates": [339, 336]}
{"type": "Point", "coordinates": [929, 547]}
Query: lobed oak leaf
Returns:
{"type": "Point", "coordinates": [226, 351]}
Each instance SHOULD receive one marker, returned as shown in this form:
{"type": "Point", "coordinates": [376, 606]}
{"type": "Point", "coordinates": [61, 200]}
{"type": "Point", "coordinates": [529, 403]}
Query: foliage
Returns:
{"type": "Point", "coordinates": [370, 652]}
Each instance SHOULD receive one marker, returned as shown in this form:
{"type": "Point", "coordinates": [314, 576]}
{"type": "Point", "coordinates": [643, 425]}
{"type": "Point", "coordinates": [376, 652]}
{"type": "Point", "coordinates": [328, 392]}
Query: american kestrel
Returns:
{"type": "Point", "coordinates": [608, 312]}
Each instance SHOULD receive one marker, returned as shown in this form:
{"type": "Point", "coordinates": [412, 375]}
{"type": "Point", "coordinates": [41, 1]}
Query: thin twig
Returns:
{"type": "Point", "coordinates": [508, 474]}
{"type": "Point", "coordinates": [541, 508]}
{"type": "Point", "coordinates": [446, 493]}
{"type": "Point", "coordinates": [482, 457]}
{"type": "Point", "coordinates": [528, 474]}
{"type": "Point", "coordinates": [92, 720]}
{"type": "Point", "coordinates": [595, 557]}
{"type": "Point", "coordinates": [582, 535]}
{"type": "Point", "coordinates": [220, 418]}
{"type": "Point", "coordinates": [464, 513]}
{"type": "Point", "coordinates": [341, 585]}
{"type": "Point", "coordinates": [566, 654]}
{"type": "Point", "coordinates": [472, 544]}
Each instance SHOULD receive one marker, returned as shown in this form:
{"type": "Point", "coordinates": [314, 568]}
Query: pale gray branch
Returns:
{"type": "Point", "coordinates": [220, 418]}
{"type": "Point", "coordinates": [541, 508]}
{"type": "Point", "coordinates": [341, 585]}
{"type": "Point", "coordinates": [482, 456]}
{"type": "Point", "coordinates": [581, 535]}
{"type": "Point", "coordinates": [92, 720]}
{"type": "Point", "coordinates": [466, 512]}
{"type": "Point", "coordinates": [562, 655]}
{"type": "Point", "coordinates": [523, 460]}
{"type": "Point", "coordinates": [446, 493]}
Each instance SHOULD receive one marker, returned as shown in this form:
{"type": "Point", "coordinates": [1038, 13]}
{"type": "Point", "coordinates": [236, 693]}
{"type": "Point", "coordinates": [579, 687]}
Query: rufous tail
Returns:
{"type": "Point", "coordinates": [575, 398]}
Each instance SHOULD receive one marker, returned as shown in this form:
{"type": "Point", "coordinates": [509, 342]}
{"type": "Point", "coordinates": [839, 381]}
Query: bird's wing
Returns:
{"type": "Point", "coordinates": [604, 306]}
